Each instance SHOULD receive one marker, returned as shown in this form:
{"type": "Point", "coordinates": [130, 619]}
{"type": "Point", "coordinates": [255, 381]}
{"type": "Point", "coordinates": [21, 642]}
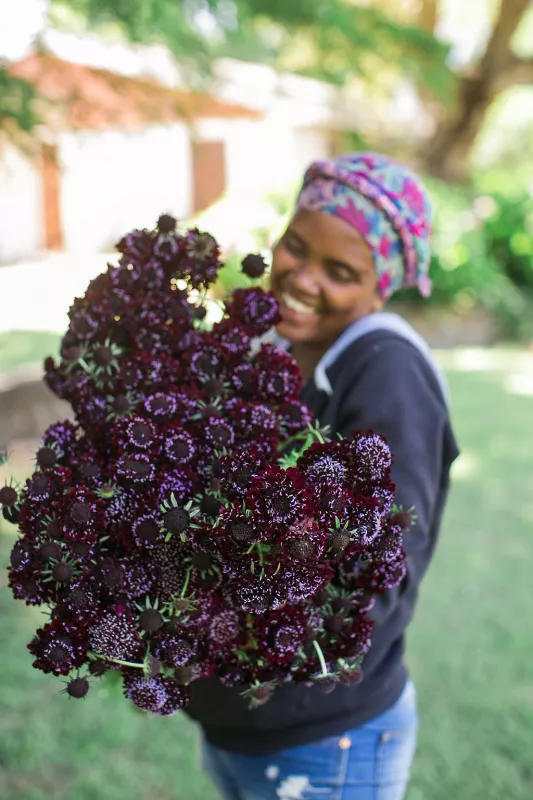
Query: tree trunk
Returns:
{"type": "Point", "coordinates": [448, 154]}
{"type": "Point", "coordinates": [428, 15]}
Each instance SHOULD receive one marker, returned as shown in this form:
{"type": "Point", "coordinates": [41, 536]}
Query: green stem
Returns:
{"type": "Point", "coordinates": [186, 584]}
{"type": "Point", "coordinates": [123, 663]}
{"type": "Point", "coordinates": [321, 658]}
{"type": "Point", "coordinates": [260, 551]}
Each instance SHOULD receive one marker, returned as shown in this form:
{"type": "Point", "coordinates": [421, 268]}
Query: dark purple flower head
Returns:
{"type": "Point", "coordinates": [178, 697]}
{"type": "Point", "coordinates": [137, 246]}
{"type": "Point", "coordinates": [224, 630]}
{"type": "Point", "coordinates": [8, 496]}
{"type": "Point", "coordinates": [327, 463]}
{"type": "Point", "coordinates": [160, 406]}
{"type": "Point", "coordinates": [147, 531]}
{"type": "Point", "coordinates": [166, 223]}
{"type": "Point", "coordinates": [135, 433]}
{"type": "Point", "coordinates": [255, 596]}
{"type": "Point", "coordinates": [179, 445]}
{"type": "Point", "coordinates": [200, 258]}
{"type": "Point", "coordinates": [366, 520]}
{"type": "Point", "coordinates": [218, 434]}
{"type": "Point", "coordinates": [279, 497]}
{"type": "Point", "coordinates": [255, 309]}
{"type": "Point", "coordinates": [58, 648]}
{"type": "Point", "coordinates": [244, 379]}
{"type": "Point", "coordinates": [280, 633]}
{"type": "Point", "coordinates": [239, 469]}
{"type": "Point", "coordinates": [295, 417]}
{"type": "Point", "coordinates": [115, 637]}
{"type": "Point", "coordinates": [371, 456]}
{"type": "Point", "coordinates": [253, 265]}
{"type": "Point", "coordinates": [206, 363]}
{"type": "Point", "coordinates": [134, 470]}
{"type": "Point", "coordinates": [279, 376]}
{"type": "Point", "coordinates": [232, 337]}
{"type": "Point", "coordinates": [147, 693]}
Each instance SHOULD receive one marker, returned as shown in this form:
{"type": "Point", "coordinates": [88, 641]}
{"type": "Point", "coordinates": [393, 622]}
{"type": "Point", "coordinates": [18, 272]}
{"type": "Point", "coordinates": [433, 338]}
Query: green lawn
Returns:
{"type": "Point", "coordinates": [470, 649]}
{"type": "Point", "coordinates": [18, 348]}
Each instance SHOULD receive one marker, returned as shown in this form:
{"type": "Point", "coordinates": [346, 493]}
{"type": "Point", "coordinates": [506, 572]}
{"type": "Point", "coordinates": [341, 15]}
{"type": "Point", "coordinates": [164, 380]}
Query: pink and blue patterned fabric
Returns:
{"type": "Point", "coordinates": [386, 204]}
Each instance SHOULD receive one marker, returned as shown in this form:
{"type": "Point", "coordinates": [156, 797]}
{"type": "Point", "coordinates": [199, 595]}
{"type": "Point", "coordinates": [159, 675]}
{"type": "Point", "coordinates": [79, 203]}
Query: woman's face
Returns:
{"type": "Point", "coordinates": [323, 277]}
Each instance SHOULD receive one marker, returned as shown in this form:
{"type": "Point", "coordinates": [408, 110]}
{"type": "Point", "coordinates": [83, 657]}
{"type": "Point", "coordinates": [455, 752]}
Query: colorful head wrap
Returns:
{"type": "Point", "coordinates": [386, 203]}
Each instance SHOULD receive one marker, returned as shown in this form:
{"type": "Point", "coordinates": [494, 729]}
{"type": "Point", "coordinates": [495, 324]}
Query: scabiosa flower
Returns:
{"type": "Point", "coordinates": [160, 406]}
{"type": "Point", "coordinates": [136, 246]}
{"type": "Point", "coordinates": [253, 265]}
{"type": "Point", "coordinates": [380, 576]}
{"type": "Point", "coordinates": [201, 252]}
{"type": "Point", "coordinates": [134, 469]}
{"type": "Point", "coordinates": [371, 456]}
{"type": "Point", "coordinates": [278, 496]}
{"type": "Point", "coordinates": [255, 596]}
{"type": "Point", "coordinates": [206, 362]}
{"type": "Point", "coordinates": [279, 377]}
{"type": "Point", "coordinates": [180, 482]}
{"type": "Point", "coordinates": [147, 693]}
{"type": "Point", "coordinates": [295, 417]}
{"type": "Point", "coordinates": [81, 600]}
{"type": "Point", "coordinates": [244, 379]}
{"type": "Point", "coordinates": [239, 469]}
{"type": "Point", "coordinates": [224, 630]}
{"type": "Point", "coordinates": [147, 531]}
{"type": "Point", "coordinates": [177, 650]}
{"type": "Point", "coordinates": [366, 516]}
{"type": "Point", "coordinates": [135, 433]}
{"type": "Point", "coordinates": [302, 584]}
{"type": "Point", "coordinates": [178, 697]}
{"type": "Point", "coordinates": [233, 338]}
{"type": "Point", "coordinates": [280, 633]}
{"type": "Point", "coordinates": [115, 637]}
{"type": "Point", "coordinates": [255, 309]}
{"type": "Point", "coordinates": [218, 434]}
{"type": "Point", "coordinates": [58, 648]}
{"type": "Point", "coordinates": [326, 463]}
{"type": "Point", "coordinates": [179, 445]}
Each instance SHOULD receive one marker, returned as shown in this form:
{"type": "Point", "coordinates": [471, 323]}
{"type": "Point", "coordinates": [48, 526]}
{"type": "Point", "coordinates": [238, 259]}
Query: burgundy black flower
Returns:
{"type": "Point", "coordinates": [279, 497]}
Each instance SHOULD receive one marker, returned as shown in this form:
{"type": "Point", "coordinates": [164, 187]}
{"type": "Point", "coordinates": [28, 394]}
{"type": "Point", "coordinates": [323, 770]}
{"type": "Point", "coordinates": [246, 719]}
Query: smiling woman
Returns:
{"type": "Point", "coordinates": [324, 278]}
{"type": "Point", "coordinates": [359, 233]}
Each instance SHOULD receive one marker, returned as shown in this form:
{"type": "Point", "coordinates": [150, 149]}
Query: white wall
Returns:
{"type": "Point", "coordinates": [21, 222]}
{"type": "Point", "coordinates": [267, 154]}
{"type": "Point", "coordinates": [114, 180]}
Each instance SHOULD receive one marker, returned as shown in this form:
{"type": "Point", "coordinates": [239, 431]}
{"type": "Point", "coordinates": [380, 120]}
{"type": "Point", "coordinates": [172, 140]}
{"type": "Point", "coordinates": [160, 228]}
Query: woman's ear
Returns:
{"type": "Point", "coordinates": [377, 304]}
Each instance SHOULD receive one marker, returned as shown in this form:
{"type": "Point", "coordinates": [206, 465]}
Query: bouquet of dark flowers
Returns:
{"type": "Point", "coordinates": [193, 520]}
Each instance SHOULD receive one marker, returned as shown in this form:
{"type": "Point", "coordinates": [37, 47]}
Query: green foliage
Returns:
{"type": "Point", "coordinates": [331, 41]}
{"type": "Point", "coordinates": [16, 104]}
{"type": "Point", "coordinates": [483, 254]}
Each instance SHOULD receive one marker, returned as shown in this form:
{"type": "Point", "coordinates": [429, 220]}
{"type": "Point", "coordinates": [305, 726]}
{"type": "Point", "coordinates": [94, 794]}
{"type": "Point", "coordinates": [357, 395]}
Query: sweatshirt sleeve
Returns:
{"type": "Point", "coordinates": [397, 395]}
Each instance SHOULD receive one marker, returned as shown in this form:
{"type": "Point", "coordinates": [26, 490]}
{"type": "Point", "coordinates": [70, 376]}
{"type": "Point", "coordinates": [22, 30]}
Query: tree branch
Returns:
{"type": "Point", "coordinates": [498, 49]}
{"type": "Point", "coordinates": [518, 72]}
{"type": "Point", "coordinates": [428, 15]}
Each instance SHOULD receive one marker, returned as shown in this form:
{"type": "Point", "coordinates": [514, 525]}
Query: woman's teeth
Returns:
{"type": "Point", "coordinates": [296, 305]}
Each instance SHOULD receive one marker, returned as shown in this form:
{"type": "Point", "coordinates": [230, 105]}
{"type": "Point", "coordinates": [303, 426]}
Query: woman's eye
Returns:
{"type": "Point", "coordinates": [342, 275]}
{"type": "Point", "coordinates": [293, 247]}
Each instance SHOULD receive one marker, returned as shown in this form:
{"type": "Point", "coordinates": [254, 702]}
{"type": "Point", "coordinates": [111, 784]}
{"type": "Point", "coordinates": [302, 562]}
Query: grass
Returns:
{"type": "Point", "coordinates": [470, 647]}
{"type": "Point", "coordinates": [19, 348]}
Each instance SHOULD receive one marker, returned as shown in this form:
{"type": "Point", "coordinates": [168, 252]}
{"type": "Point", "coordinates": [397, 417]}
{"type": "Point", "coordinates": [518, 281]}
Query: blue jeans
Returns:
{"type": "Point", "coordinates": [371, 762]}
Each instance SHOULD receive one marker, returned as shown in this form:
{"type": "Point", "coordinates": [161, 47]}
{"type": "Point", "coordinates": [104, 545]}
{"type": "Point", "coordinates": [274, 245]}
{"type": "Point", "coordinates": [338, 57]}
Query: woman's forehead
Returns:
{"type": "Point", "coordinates": [328, 235]}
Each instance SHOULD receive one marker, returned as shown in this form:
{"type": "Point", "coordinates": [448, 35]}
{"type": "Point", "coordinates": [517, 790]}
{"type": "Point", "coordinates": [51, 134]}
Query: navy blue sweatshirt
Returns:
{"type": "Point", "coordinates": [379, 375]}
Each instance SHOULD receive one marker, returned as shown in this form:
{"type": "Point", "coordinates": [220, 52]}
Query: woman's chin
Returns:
{"type": "Point", "coordinates": [292, 332]}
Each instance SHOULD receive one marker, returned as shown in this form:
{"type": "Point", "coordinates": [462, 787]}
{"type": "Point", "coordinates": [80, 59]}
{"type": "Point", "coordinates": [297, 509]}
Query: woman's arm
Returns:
{"type": "Point", "coordinates": [397, 395]}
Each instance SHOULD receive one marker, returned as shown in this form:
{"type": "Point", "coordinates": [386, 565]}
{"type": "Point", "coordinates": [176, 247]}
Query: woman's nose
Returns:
{"type": "Point", "coordinates": [306, 279]}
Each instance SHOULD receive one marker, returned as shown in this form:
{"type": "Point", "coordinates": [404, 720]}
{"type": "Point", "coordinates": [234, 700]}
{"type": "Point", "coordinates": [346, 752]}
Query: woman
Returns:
{"type": "Point", "coordinates": [359, 233]}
